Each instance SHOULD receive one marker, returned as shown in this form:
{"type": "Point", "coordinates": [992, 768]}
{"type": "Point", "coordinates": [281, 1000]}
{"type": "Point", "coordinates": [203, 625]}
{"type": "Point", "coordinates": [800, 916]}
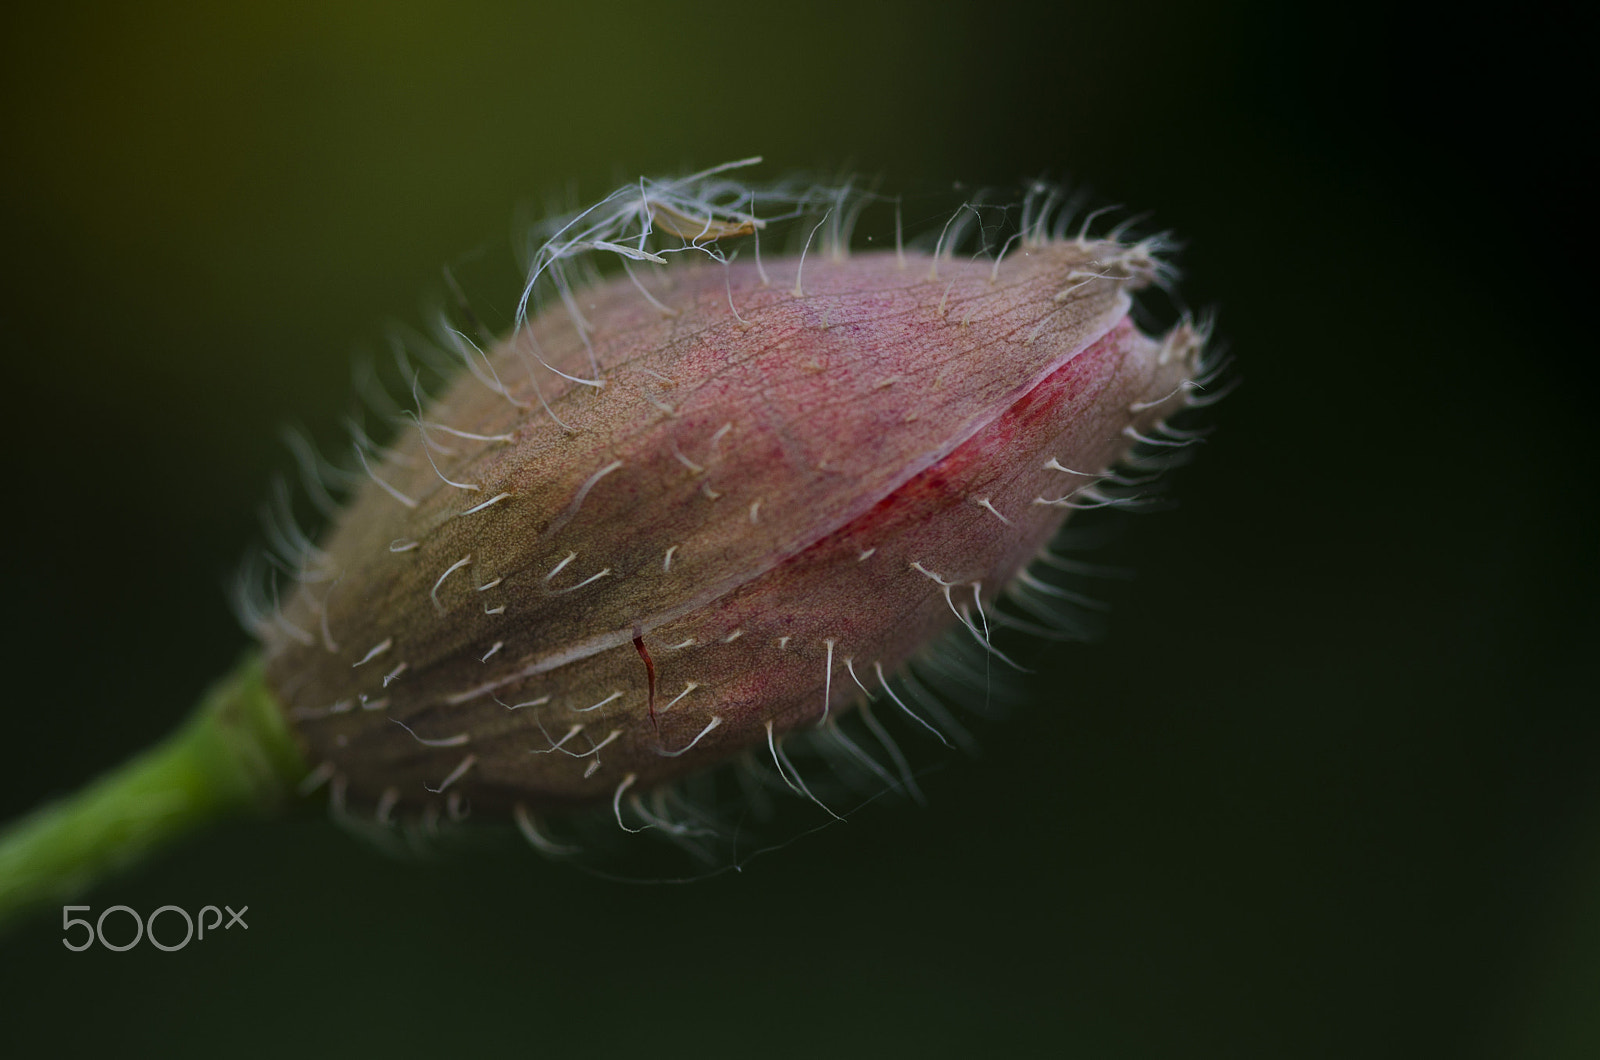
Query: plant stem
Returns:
{"type": "Point", "coordinates": [232, 756]}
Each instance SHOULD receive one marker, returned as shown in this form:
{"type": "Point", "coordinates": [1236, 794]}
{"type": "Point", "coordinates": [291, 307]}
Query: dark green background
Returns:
{"type": "Point", "coordinates": [1329, 786]}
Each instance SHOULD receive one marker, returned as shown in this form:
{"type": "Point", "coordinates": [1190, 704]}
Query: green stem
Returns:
{"type": "Point", "coordinates": [232, 756]}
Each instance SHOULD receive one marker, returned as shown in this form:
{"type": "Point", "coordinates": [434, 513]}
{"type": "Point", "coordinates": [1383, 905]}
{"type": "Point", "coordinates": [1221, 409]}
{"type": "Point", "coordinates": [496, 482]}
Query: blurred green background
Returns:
{"type": "Point", "coordinates": [1329, 786]}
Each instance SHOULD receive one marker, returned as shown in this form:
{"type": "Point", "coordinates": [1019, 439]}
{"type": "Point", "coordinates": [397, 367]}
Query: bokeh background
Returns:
{"type": "Point", "coordinates": [1327, 788]}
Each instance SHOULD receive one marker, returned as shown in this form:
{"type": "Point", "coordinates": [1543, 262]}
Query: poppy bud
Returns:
{"type": "Point", "coordinates": [705, 502]}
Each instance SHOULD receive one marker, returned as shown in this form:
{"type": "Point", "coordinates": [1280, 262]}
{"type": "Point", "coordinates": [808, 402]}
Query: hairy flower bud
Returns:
{"type": "Point", "coordinates": [694, 507]}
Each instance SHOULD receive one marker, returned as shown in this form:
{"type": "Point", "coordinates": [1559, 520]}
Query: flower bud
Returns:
{"type": "Point", "coordinates": [706, 502]}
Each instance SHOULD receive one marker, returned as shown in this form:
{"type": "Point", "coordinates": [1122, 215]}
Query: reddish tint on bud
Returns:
{"type": "Point", "coordinates": [697, 506]}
